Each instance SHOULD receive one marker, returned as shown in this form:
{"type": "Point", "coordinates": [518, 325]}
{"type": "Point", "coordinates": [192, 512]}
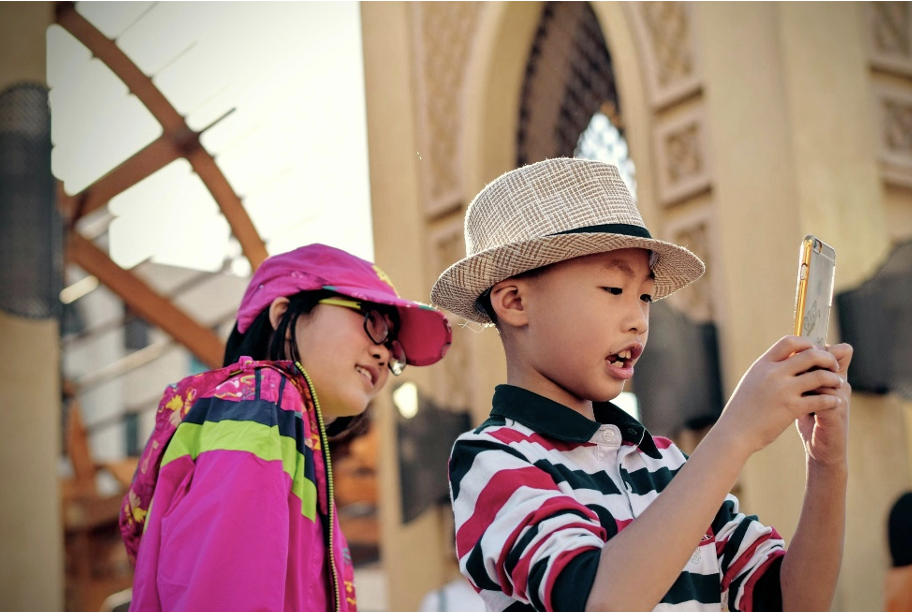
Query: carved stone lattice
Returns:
{"type": "Point", "coordinates": [898, 127]}
{"type": "Point", "coordinates": [453, 377]}
{"type": "Point", "coordinates": [444, 34]}
{"type": "Point", "coordinates": [682, 157]}
{"type": "Point", "coordinates": [894, 141]}
{"type": "Point", "coordinates": [696, 299]}
{"type": "Point", "coordinates": [569, 78]}
{"type": "Point", "coordinates": [890, 36]}
{"type": "Point", "coordinates": [669, 34]}
{"type": "Point", "coordinates": [667, 45]}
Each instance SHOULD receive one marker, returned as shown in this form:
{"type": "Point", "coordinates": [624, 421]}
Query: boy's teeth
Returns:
{"type": "Point", "coordinates": [363, 372]}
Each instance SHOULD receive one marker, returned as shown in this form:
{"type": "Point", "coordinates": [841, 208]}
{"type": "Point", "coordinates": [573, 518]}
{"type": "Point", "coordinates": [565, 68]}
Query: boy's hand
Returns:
{"type": "Point", "coordinates": [825, 434]}
{"type": "Point", "coordinates": [789, 381]}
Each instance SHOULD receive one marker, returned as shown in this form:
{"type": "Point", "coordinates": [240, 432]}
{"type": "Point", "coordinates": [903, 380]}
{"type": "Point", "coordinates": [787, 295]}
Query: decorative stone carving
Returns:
{"type": "Point", "coordinates": [890, 36]}
{"type": "Point", "coordinates": [443, 34]}
{"type": "Point", "coordinates": [453, 378]}
{"type": "Point", "coordinates": [670, 58]}
{"type": "Point", "coordinates": [695, 232]}
{"type": "Point", "coordinates": [683, 163]}
{"type": "Point", "coordinates": [893, 104]}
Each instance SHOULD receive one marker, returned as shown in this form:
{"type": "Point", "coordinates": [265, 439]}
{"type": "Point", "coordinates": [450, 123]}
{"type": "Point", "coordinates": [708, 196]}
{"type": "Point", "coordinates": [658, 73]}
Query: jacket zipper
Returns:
{"type": "Point", "coordinates": [324, 442]}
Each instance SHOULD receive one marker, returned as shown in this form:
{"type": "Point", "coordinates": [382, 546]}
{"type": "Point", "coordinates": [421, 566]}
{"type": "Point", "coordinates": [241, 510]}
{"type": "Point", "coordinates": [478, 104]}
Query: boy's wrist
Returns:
{"type": "Point", "coordinates": [836, 472]}
{"type": "Point", "coordinates": [728, 444]}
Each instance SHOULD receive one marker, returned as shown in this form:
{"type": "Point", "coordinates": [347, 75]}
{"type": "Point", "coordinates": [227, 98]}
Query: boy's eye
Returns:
{"type": "Point", "coordinates": [646, 298]}
{"type": "Point", "coordinates": [614, 290]}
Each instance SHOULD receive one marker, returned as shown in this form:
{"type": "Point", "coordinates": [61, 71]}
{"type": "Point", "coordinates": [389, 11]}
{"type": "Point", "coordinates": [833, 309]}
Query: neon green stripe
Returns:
{"type": "Point", "coordinates": [192, 439]}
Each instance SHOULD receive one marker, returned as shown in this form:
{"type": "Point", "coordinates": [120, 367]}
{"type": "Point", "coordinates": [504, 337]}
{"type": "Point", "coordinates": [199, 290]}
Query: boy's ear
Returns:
{"type": "Point", "coordinates": [276, 310]}
{"type": "Point", "coordinates": [507, 300]}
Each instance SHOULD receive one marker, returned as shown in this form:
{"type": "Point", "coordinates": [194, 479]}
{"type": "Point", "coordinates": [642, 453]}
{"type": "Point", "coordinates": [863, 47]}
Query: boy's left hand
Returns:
{"type": "Point", "coordinates": [825, 434]}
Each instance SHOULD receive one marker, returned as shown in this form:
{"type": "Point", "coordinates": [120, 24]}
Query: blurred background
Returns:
{"type": "Point", "coordinates": [153, 154]}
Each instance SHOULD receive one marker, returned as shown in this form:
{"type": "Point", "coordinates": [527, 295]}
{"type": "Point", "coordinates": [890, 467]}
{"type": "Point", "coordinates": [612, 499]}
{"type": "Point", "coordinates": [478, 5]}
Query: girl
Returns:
{"type": "Point", "coordinates": [231, 505]}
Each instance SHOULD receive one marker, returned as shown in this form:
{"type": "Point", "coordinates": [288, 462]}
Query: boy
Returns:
{"type": "Point", "coordinates": [557, 495]}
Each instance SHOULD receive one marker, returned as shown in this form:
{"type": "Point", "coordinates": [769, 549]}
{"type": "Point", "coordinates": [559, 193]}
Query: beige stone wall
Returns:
{"type": "Point", "coordinates": [409, 553]}
{"type": "Point", "coordinates": [751, 124]}
{"type": "Point", "coordinates": [31, 554]}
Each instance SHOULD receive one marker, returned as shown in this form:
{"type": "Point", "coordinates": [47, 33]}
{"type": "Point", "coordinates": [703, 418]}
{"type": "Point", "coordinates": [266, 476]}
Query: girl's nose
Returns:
{"type": "Point", "coordinates": [381, 354]}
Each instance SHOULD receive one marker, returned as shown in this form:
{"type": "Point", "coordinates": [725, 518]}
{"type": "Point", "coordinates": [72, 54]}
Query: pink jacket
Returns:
{"type": "Point", "coordinates": [231, 503]}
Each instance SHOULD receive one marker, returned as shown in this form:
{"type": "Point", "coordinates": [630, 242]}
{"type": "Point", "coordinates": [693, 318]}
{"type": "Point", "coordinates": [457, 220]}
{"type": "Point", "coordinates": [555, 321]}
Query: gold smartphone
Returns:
{"type": "Point", "coordinates": [814, 297]}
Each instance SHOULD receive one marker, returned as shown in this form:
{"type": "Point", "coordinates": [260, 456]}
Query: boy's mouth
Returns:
{"type": "Point", "coordinates": [621, 359]}
{"type": "Point", "coordinates": [626, 357]}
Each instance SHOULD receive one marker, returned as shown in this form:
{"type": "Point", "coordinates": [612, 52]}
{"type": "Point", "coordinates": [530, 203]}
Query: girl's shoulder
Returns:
{"type": "Point", "coordinates": [278, 382]}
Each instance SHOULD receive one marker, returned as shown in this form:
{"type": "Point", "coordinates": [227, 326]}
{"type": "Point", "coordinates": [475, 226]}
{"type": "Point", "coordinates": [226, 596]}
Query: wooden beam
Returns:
{"type": "Point", "coordinates": [122, 66]}
{"type": "Point", "coordinates": [230, 205]}
{"type": "Point", "coordinates": [144, 163]}
{"type": "Point", "coordinates": [150, 305]}
{"type": "Point", "coordinates": [175, 127]}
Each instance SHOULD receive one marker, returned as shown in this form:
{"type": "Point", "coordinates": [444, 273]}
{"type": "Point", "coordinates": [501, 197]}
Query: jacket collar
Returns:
{"type": "Point", "coordinates": [558, 421]}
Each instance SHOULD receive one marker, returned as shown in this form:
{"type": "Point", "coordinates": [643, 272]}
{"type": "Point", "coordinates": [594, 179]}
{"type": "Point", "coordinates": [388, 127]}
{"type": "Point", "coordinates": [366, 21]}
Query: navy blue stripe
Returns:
{"type": "Point", "coordinates": [536, 575]}
{"type": "Point", "coordinates": [768, 589]}
{"type": "Point", "coordinates": [694, 587]}
{"type": "Point", "coordinates": [578, 479]}
{"type": "Point", "coordinates": [730, 549]}
{"type": "Point", "coordinates": [463, 456]}
{"type": "Point", "coordinates": [476, 569]}
{"type": "Point", "coordinates": [725, 514]}
{"type": "Point", "coordinates": [573, 585]}
{"type": "Point", "coordinates": [516, 553]}
{"type": "Point", "coordinates": [606, 519]}
{"type": "Point", "coordinates": [519, 548]}
{"type": "Point", "coordinates": [644, 481]}
{"type": "Point", "coordinates": [290, 423]}
{"type": "Point", "coordinates": [282, 381]}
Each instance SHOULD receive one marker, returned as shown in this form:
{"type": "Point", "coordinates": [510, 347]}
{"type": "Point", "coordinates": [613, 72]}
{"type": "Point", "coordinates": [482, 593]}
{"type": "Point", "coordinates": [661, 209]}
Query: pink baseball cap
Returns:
{"type": "Point", "coordinates": [425, 332]}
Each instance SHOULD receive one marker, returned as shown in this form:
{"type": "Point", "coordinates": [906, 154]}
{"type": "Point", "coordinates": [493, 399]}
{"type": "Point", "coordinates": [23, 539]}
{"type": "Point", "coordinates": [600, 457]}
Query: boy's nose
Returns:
{"type": "Point", "coordinates": [639, 319]}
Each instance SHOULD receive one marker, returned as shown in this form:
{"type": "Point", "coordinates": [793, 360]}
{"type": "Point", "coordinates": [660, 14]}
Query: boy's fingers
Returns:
{"type": "Point", "coordinates": [812, 358]}
{"type": "Point", "coordinates": [843, 354]}
{"type": "Point", "coordinates": [820, 379]}
{"type": "Point", "coordinates": [787, 346]}
{"type": "Point", "coordinates": [819, 403]}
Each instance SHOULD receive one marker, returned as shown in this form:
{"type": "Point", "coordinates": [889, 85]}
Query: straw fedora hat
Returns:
{"type": "Point", "coordinates": [549, 212]}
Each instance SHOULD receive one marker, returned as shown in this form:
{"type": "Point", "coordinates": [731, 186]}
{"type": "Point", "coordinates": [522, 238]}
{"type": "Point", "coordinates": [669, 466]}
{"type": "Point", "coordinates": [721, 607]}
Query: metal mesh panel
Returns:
{"type": "Point", "coordinates": [424, 444]}
{"type": "Point", "coordinates": [31, 235]}
{"type": "Point", "coordinates": [876, 319]}
{"type": "Point", "coordinates": [671, 396]}
{"type": "Point", "coordinates": [568, 79]}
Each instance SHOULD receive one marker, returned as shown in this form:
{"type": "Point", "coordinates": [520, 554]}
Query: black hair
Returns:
{"type": "Point", "coordinates": [263, 343]}
{"type": "Point", "coordinates": [899, 531]}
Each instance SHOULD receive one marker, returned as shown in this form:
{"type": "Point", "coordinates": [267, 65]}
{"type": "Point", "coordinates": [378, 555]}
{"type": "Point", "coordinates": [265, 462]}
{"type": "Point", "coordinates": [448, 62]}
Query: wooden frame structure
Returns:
{"type": "Point", "coordinates": [177, 140]}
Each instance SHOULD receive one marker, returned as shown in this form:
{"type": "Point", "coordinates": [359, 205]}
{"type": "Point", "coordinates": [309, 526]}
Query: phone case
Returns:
{"type": "Point", "coordinates": [814, 296]}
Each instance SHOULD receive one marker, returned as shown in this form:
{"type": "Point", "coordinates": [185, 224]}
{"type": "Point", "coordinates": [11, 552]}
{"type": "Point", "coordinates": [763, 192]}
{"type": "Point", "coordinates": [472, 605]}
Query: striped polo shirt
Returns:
{"type": "Point", "coordinates": [538, 489]}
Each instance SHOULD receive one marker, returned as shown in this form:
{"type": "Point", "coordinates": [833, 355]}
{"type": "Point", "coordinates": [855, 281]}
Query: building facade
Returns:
{"type": "Point", "coordinates": [749, 126]}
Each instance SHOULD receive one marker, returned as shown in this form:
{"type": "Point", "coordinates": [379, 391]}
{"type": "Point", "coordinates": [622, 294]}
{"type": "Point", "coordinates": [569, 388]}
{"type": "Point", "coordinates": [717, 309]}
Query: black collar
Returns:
{"type": "Point", "coordinates": [559, 421]}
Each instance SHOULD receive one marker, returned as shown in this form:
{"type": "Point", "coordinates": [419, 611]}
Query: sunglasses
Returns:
{"type": "Point", "coordinates": [379, 329]}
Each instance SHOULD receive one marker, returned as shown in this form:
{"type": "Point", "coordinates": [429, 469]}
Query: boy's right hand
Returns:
{"type": "Point", "coordinates": [777, 389]}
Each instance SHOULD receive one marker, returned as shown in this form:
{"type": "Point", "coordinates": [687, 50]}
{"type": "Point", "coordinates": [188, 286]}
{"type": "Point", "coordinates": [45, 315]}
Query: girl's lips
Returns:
{"type": "Point", "coordinates": [369, 374]}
